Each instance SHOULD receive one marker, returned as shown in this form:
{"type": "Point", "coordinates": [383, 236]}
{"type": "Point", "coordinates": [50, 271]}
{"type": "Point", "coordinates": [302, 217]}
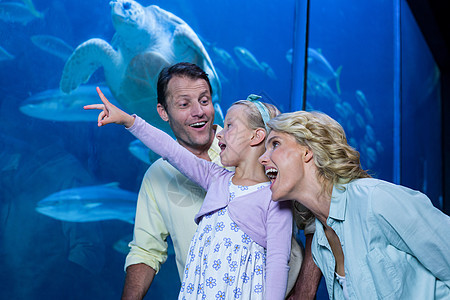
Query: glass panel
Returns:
{"type": "Point", "coordinates": [421, 154]}
{"type": "Point", "coordinates": [52, 145]}
{"type": "Point", "coordinates": [351, 75]}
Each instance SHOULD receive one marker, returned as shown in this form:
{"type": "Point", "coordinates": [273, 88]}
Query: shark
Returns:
{"type": "Point", "coordinates": [54, 105]}
{"type": "Point", "coordinates": [90, 204]}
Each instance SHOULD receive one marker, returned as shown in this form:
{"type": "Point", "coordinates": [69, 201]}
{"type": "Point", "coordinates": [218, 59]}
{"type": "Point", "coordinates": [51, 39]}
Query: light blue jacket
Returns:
{"type": "Point", "coordinates": [396, 243]}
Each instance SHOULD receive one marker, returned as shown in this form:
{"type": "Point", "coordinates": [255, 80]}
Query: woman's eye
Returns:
{"type": "Point", "coordinates": [275, 144]}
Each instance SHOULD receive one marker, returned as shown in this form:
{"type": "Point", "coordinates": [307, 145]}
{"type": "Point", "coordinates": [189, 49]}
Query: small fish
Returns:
{"type": "Point", "coordinates": [121, 245]}
{"type": "Point", "coordinates": [16, 12]}
{"type": "Point", "coordinates": [54, 105]}
{"type": "Point", "coordinates": [32, 8]}
{"type": "Point", "coordinates": [10, 162]}
{"type": "Point", "coordinates": [224, 57]}
{"type": "Point", "coordinates": [340, 109]}
{"type": "Point", "coordinates": [223, 79]}
{"type": "Point", "coordinates": [370, 135]}
{"type": "Point", "coordinates": [53, 45]}
{"type": "Point", "coordinates": [289, 55]}
{"type": "Point", "coordinates": [360, 120]}
{"type": "Point", "coordinates": [90, 203]}
{"type": "Point", "coordinates": [5, 55]}
{"type": "Point", "coordinates": [368, 114]}
{"type": "Point", "coordinates": [371, 157]}
{"type": "Point", "coordinates": [348, 107]}
{"type": "Point", "coordinates": [352, 142]}
{"type": "Point", "coordinates": [320, 68]}
{"type": "Point", "coordinates": [268, 70]}
{"type": "Point", "coordinates": [379, 147]}
{"type": "Point", "coordinates": [142, 152]}
{"type": "Point", "coordinates": [247, 58]}
{"type": "Point", "coordinates": [361, 98]}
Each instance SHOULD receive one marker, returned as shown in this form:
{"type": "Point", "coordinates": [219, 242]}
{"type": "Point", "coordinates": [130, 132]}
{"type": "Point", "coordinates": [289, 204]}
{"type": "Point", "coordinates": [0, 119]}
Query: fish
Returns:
{"type": "Point", "coordinates": [340, 109]}
{"type": "Point", "coordinates": [268, 70]}
{"type": "Point", "coordinates": [32, 9]}
{"type": "Point", "coordinates": [223, 79]}
{"type": "Point", "coordinates": [368, 114]}
{"type": "Point", "coordinates": [142, 152]}
{"type": "Point", "coordinates": [54, 105]}
{"type": "Point", "coordinates": [289, 55]}
{"type": "Point", "coordinates": [53, 45]}
{"type": "Point", "coordinates": [379, 147]}
{"type": "Point", "coordinates": [16, 12]}
{"type": "Point", "coordinates": [370, 135]}
{"type": "Point", "coordinates": [90, 204]}
{"type": "Point", "coordinates": [247, 58]}
{"type": "Point", "coordinates": [320, 68]}
{"type": "Point", "coordinates": [11, 152]}
{"type": "Point", "coordinates": [360, 120]}
{"type": "Point", "coordinates": [361, 98]}
{"type": "Point", "coordinates": [5, 55]}
{"type": "Point", "coordinates": [224, 57]}
{"type": "Point", "coordinates": [121, 245]}
{"type": "Point", "coordinates": [371, 156]}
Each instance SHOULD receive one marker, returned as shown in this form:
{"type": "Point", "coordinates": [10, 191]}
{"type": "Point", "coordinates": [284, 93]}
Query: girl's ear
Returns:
{"type": "Point", "coordinates": [259, 135]}
{"type": "Point", "coordinates": [162, 112]}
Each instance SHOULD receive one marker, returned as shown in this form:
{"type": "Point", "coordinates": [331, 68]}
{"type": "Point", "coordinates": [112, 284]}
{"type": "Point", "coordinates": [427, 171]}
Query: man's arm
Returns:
{"type": "Point", "coordinates": [137, 281]}
{"type": "Point", "coordinates": [309, 277]}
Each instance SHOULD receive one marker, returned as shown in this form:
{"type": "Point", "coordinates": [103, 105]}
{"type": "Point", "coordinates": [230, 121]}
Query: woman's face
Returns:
{"type": "Point", "coordinates": [284, 163]}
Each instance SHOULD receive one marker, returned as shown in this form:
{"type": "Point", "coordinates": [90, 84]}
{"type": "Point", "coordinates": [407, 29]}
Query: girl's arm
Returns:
{"type": "Point", "coordinates": [110, 113]}
{"type": "Point", "coordinates": [279, 234]}
{"type": "Point", "coordinates": [198, 170]}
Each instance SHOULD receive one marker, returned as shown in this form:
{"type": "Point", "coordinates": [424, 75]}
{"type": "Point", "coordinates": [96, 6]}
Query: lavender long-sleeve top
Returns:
{"type": "Point", "coordinates": [267, 222]}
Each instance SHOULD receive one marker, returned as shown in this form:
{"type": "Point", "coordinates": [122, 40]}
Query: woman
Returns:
{"type": "Point", "coordinates": [373, 239]}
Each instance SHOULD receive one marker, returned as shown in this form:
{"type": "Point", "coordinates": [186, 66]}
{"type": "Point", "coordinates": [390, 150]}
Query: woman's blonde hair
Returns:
{"type": "Point", "coordinates": [255, 119]}
{"type": "Point", "coordinates": [336, 161]}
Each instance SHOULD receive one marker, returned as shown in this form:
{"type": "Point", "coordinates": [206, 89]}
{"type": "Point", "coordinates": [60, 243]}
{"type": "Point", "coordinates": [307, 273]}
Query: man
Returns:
{"type": "Point", "coordinates": [168, 201]}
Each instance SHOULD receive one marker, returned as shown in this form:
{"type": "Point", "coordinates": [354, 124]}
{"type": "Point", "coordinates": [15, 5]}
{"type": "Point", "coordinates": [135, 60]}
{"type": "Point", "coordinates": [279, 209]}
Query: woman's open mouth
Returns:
{"type": "Point", "coordinates": [272, 173]}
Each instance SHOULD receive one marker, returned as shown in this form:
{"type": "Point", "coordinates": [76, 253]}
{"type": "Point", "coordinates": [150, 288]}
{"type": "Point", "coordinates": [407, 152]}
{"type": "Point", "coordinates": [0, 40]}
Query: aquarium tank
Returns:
{"type": "Point", "coordinates": [68, 189]}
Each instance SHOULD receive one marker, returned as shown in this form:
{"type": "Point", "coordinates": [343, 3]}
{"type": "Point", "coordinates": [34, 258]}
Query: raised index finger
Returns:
{"type": "Point", "coordinates": [104, 100]}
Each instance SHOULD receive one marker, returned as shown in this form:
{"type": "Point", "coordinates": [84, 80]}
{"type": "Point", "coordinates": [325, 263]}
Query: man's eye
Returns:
{"type": "Point", "coordinates": [204, 102]}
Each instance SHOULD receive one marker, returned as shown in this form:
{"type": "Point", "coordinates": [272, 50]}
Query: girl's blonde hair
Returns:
{"type": "Point", "coordinates": [255, 119]}
{"type": "Point", "coordinates": [337, 162]}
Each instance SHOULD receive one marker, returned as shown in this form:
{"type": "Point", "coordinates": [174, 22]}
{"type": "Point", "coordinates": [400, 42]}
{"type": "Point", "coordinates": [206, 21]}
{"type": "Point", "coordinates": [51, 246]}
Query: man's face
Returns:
{"type": "Point", "coordinates": [190, 112]}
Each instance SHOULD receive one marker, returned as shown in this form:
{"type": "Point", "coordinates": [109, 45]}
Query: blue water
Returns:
{"type": "Point", "coordinates": [45, 258]}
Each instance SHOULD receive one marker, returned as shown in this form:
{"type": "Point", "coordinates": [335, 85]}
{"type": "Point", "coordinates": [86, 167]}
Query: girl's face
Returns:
{"type": "Point", "coordinates": [235, 137]}
{"type": "Point", "coordinates": [284, 163]}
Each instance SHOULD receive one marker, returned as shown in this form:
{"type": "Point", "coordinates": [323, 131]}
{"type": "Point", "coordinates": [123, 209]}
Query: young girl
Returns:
{"type": "Point", "coordinates": [242, 244]}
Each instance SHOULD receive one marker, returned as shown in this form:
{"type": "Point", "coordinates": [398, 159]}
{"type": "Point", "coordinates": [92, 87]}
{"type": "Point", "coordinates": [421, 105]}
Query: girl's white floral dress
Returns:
{"type": "Point", "coordinates": [223, 261]}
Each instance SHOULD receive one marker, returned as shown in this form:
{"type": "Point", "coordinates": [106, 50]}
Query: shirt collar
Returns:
{"type": "Point", "coordinates": [338, 202]}
{"type": "Point", "coordinates": [214, 150]}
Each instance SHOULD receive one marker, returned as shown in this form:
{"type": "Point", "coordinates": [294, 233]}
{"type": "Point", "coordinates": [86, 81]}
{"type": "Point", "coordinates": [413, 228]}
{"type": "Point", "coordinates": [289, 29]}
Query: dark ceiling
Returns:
{"type": "Point", "coordinates": [434, 21]}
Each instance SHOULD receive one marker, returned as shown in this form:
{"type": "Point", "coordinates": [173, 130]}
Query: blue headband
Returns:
{"type": "Point", "coordinates": [261, 107]}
